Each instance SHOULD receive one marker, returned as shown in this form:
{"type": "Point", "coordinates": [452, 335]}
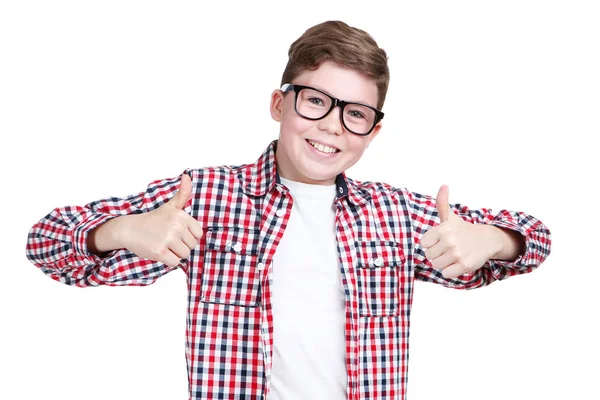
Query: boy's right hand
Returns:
{"type": "Point", "coordinates": [166, 234]}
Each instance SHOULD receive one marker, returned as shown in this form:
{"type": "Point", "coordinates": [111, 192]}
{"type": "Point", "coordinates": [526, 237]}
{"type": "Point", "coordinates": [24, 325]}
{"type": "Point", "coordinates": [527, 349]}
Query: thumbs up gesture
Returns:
{"type": "Point", "coordinates": [166, 234]}
{"type": "Point", "coordinates": [456, 246]}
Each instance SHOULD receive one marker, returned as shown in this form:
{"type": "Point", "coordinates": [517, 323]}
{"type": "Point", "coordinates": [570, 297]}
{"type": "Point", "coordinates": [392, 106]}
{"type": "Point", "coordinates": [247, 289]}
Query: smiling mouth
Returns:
{"type": "Point", "coordinates": [322, 148]}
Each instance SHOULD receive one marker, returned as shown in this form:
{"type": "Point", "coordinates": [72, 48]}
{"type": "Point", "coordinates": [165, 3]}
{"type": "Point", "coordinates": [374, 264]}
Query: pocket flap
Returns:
{"type": "Point", "coordinates": [378, 253]}
{"type": "Point", "coordinates": [232, 239]}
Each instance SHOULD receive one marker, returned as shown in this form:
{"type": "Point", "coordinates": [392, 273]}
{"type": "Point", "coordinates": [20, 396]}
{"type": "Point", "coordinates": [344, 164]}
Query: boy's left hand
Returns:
{"type": "Point", "coordinates": [456, 246]}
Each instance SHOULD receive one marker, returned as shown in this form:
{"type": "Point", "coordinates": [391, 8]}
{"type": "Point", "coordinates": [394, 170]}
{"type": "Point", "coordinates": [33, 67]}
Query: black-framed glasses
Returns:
{"type": "Point", "coordinates": [314, 104]}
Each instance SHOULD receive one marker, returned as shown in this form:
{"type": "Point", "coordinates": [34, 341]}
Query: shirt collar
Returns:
{"type": "Point", "coordinates": [262, 176]}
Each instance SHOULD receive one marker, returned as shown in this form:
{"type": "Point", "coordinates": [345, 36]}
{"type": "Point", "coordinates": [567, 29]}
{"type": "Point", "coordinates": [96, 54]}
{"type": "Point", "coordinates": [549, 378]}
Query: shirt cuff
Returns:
{"type": "Point", "coordinates": [80, 236]}
{"type": "Point", "coordinates": [525, 262]}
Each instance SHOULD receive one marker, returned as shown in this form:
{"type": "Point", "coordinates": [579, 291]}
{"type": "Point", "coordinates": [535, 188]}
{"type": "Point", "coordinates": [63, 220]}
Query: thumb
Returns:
{"type": "Point", "coordinates": [442, 205]}
{"type": "Point", "coordinates": [184, 192]}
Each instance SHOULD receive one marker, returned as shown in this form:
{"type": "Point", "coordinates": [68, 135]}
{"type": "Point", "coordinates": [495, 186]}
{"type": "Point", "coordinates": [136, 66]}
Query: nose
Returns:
{"type": "Point", "coordinates": [332, 122]}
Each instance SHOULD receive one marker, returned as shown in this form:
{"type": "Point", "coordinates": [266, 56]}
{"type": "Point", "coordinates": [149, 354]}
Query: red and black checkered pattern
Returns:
{"type": "Point", "coordinates": [244, 211]}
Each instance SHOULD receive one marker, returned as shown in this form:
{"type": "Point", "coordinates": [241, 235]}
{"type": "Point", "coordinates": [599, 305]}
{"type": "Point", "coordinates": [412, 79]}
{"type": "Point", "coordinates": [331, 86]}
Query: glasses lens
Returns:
{"type": "Point", "coordinates": [358, 118]}
{"type": "Point", "coordinates": [312, 104]}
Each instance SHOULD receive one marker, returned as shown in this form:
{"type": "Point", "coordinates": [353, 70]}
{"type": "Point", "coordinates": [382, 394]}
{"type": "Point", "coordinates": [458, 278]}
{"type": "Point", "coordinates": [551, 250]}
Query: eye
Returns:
{"type": "Point", "coordinates": [356, 114]}
{"type": "Point", "coordinates": [316, 101]}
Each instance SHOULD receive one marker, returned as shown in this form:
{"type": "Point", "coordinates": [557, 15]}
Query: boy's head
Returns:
{"type": "Point", "coordinates": [344, 45]}
{"type": "Point", "coordinates": [329, 61]}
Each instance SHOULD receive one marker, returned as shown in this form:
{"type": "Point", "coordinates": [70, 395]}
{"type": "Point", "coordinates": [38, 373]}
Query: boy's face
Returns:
{"type": "Point", "coordinates": [297, 159]}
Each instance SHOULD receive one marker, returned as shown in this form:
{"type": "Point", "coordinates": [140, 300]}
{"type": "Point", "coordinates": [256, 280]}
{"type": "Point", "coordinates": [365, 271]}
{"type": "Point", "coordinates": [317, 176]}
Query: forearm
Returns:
{"type": "Point", "coordinates": [509, 244]}
{"type": "Point", "coordinates": [107, 237]}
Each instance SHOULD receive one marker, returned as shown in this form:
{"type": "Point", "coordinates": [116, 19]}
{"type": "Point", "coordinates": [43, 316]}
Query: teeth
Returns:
{"type": "Point", "coordinates": [324, 149]}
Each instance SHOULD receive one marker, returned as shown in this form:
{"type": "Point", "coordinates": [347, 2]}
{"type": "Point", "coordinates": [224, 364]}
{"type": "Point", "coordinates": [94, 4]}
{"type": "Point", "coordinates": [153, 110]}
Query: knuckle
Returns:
{"type": "Point", "coordinates": [469, 266]}
{"type": "Point", "coordinates": [172, 224]}
{"type": "Point", "coordinates": [158, 251]}
{"type": "Point", "coordinates": [170, 237]}
{"type": "Point", "coordinates": [200, 231]}
{"type": "Point", "coordinates": [173, 261]}
{"type": "Point", "coordinates": [463, 269]}
{"type": "Point", "coordinates": [456, 254]}
{"type": "Point", "coordinates": [178, 229]}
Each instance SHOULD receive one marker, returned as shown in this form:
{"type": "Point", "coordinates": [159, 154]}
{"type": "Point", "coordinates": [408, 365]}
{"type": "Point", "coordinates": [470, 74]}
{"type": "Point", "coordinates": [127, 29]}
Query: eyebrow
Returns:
{"type": "Point", "coordinates": [352, 101]}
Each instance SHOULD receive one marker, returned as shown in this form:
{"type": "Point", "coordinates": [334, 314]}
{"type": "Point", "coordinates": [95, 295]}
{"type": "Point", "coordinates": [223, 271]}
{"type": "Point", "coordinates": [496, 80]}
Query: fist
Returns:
{"type": "Point", "coordinates": [455, 246]}
{"type": "Point", "coordinates": [166, 234]}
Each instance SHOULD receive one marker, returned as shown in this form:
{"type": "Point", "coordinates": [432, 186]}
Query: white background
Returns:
{"type": "Point", "coordinates": [498, 100]}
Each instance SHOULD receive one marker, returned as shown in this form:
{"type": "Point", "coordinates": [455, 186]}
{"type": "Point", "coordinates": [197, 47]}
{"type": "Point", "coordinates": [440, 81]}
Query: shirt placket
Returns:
{"type": "Point", "coordinates": [345, 243]}
{"type": "Point", "coordinates": [276, 211]}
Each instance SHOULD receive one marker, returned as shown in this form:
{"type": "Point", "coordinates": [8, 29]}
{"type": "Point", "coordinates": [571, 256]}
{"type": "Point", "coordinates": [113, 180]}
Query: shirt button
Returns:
{"type": "Point", "coordinates": [280, 212]}
{"type": "Point", "coordinates": [378, 261]}
{"type": "Point", "coordinates": [237, 247]}
{"type": "Point", "coordinates": [260, 266]}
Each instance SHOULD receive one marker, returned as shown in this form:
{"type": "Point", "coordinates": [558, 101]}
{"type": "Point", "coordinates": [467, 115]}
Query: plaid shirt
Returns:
{"type": "Point", "coordinates": [244, 210]}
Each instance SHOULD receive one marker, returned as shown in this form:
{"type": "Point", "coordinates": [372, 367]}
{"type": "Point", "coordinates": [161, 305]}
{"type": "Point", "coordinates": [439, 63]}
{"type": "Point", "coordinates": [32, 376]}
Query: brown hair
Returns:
{"type": "Point", "coordinates": [344, 45]}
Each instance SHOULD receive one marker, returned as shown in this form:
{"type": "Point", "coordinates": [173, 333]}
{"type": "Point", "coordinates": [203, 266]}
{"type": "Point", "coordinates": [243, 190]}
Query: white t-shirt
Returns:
{"type": "Point", "coordinates": [308, 301]}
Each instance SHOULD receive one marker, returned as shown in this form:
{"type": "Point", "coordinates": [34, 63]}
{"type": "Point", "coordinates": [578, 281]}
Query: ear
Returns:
{"type": "Point", "coordinates": [276, 104]}
{"type": "Point", "coordinates": [374, 133]}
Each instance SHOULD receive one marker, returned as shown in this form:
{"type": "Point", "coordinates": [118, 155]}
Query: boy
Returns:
{"type": "Point", "coordinates": [299, 278]}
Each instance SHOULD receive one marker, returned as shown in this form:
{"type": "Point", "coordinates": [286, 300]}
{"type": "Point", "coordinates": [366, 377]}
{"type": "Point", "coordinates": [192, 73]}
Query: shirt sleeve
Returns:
{"type": "Point", "coordinates": [423, 216]}
{"type": "Point", "coordinates": [56, 244]}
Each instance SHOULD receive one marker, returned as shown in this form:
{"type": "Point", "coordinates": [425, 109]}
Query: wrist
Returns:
{"type": "Point", "coordinates": [108, 236]}
{"type": "Point", "coordinates": [494, 240]}
{"type": "Point", "coordinates": [118, 232]}
{"type": "Point", "coordinates": [507, 244]}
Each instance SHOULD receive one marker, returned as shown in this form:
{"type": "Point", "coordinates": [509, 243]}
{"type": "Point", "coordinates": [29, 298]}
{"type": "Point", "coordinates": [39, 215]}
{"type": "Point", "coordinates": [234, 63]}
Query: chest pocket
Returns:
{"type": "Point", "coordinates": [230, 274]}
{"type": "Point", "coordinates": [380, 269]}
